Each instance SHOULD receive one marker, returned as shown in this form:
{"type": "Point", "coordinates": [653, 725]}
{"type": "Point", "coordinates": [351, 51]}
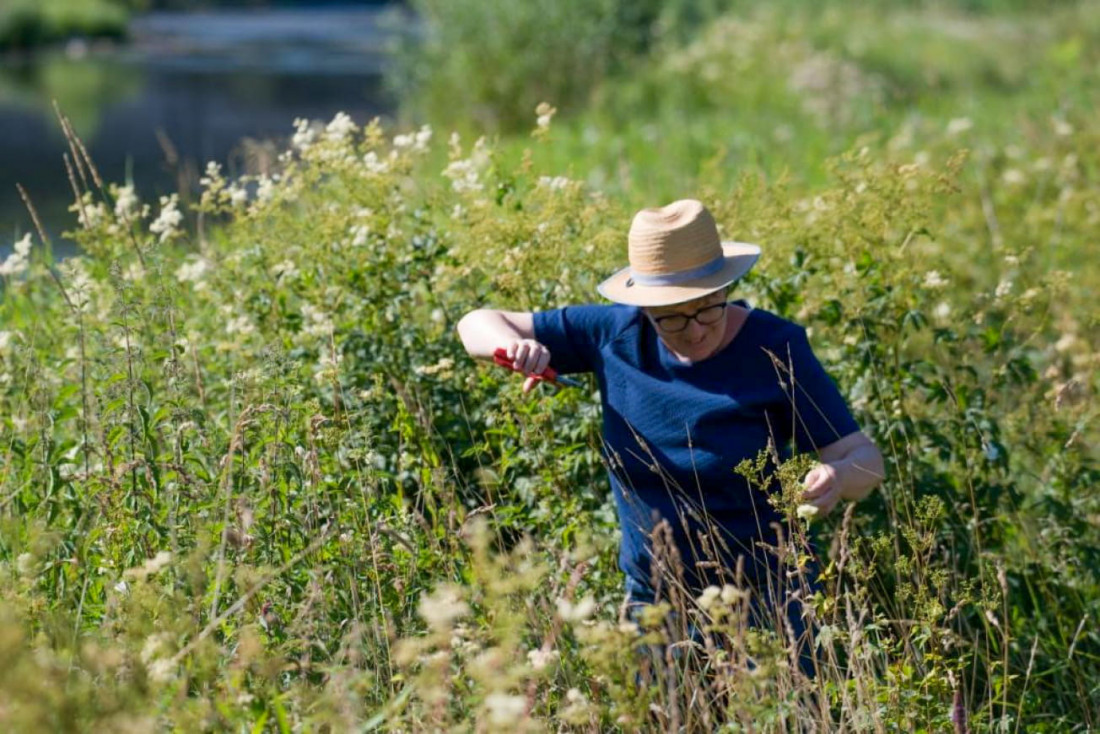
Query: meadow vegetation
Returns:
{"type": "Point", "coordinates": [250, 480]}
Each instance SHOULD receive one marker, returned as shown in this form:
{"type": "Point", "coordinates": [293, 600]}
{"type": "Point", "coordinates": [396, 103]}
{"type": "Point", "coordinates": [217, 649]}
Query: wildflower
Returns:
{"type": "Point", "coordinates": [153, 648]}
{"type": "Point", "coordinates": [557, 183]}
{"type": "Point", "coordinates": [5, 340]}
{"type": "Point", "coordinates": [79, 285]}
{"type": "Point", "coordinates": [423, 137]}
{"type": "Point", "coordinates": [942, 310]}
{"type": "Point", "coordinates": [239, 325]}
{"type": "Point", "coordinates": [545, 114]}
{"type": "Point", "coordinates": [578, 612]}
{"type": "Point", "coordinates": [193, 272]}
{"type": "Point", "coordinates": [444, 368]}
{"type": "Point", "coordinates": [579, 709]}
{"type": "Point", "coordinates": [731, 593]}
{"type": "Point", "coordinates": [153, 565]}
{"type": "Point", "coordinates": [463, 175]}
{"type": "Point", "coordinates": [1062, 128]}
{"type": "Point", "coordinates": [24, 563]}
{"type": "Point", "coordinates": [504, 708]}
{"type": "Point", "coordinates": [161, 671]}
{"type": "Point", "coordinates": [442, 607]}
{"type": "Point", "coordinates": [265, 189]}
{"type": "Point", "coordinates": [286, 270]}
{"type": "Point", "coordinates": [1003, 288]}
{"type": "Point", "coordinates": [933, 279]}
{"type": "Point", "coordinates": [806, 512]}
{"type": "Point", "coordinates": [959, 125]}
{"type": "Point", "coordinates": [238, 195]}
{"type": "Point", "coordinates": [167, 223]}
{"type": "Point", "coordinates": [315, 322]}
{"type": "Point", "coordinates": [304, 135]}
{"type": "Point", "coordinates": [212, 177]}
{"type": "Point", "coordinates": [359, 234]}
{"type": "Point", "coordinates": [1014, 177]}
{"type": "Point", "coordinates": [540, 659]}
{"type": "Point", "coordinates": [708, 597]}
{"type": "Point", "coordinates": [89, 213]}
{"type": "Point", "coordinates": [374, 164]}
{"type": "Point", "coordinates": [340, 128]}
{"type": "Point", "coordinates": [126, 202]}
{"type": "Point", "coordinates": [1065, 342]}
{"type": "Point", "coordinates": [16, 262]}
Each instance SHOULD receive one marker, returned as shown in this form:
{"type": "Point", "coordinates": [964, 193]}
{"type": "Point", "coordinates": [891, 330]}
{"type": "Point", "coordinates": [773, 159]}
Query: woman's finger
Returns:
{"type": "Point", "coordinates": [519, 362]}
{"type": "Point", "coordinates": [529, 384]}
{"type": "Point", "coordinates": [542, 362]}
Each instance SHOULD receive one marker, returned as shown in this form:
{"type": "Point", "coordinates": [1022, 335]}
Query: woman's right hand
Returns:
{"type": "Point", "coordinates": [531, 358]}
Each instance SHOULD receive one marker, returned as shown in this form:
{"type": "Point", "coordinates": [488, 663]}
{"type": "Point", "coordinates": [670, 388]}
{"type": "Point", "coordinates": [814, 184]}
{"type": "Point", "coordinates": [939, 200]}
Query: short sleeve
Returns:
{"type": "Point", "coordinates": [820, 415]}
{"type": "Point", "coordinates": [575, 334]}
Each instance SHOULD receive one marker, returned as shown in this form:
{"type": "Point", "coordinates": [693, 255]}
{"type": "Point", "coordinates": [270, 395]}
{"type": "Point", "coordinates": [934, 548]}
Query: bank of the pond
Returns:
{"type": "Point", "coordinates": [29, 24]}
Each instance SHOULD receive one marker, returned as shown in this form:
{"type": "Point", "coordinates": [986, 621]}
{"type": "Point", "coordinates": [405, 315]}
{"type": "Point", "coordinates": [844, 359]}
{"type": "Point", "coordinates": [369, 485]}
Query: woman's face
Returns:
{"type": "Point", "coordinates": [696, 341]}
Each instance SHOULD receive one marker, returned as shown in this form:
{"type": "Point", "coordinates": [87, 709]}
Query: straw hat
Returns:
{"type": "Point", "coordinates": [675, 256]}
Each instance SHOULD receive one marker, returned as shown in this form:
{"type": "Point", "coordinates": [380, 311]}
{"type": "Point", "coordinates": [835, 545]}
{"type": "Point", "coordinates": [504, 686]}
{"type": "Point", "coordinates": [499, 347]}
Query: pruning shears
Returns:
{"type": "Point", "coordinates": [500, 356]}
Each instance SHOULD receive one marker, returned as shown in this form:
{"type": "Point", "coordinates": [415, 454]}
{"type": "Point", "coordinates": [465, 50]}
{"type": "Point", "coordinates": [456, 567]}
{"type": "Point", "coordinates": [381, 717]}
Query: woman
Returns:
{"type": "Point", "coordinates": [690, 386]}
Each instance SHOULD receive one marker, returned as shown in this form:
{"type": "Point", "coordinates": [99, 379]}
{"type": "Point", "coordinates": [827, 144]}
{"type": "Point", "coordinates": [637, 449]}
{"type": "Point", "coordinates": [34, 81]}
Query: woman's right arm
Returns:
{"type": "Point", "coordinates": [485, 330]}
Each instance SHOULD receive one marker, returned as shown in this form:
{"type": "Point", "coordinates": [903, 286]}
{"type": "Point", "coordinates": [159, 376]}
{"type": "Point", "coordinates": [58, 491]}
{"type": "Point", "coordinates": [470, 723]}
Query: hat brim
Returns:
{"type": "Point", "coordinates": [739, 259]}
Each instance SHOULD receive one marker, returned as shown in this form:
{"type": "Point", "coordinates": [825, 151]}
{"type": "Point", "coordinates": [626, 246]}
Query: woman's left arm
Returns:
{"type": "Point", "coordinates": [850, 468]}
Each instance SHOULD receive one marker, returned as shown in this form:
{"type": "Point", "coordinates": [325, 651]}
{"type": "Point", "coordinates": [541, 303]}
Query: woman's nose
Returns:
{"type": "Point", "coordinates": [695, 330]}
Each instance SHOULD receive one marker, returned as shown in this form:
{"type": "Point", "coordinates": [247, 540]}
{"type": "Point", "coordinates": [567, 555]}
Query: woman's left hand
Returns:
{"type": "Point", "coordinates": [822, 488]}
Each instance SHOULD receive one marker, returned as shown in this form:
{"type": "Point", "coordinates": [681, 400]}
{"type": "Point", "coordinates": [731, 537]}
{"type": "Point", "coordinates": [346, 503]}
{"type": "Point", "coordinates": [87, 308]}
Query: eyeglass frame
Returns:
{"type": "Point", "coordinates": [688, 318]}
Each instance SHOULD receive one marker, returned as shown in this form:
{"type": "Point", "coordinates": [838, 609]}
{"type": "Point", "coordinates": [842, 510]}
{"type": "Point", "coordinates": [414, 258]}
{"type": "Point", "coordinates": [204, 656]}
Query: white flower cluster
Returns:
{"type": "Point", "coordinates": [465, 173]}
{"type": "Point", "coordinates": [315, 322]}
{"type": "Point", "coordinates": [286, 270]}
{"type": "Point", "coordinates": [359, 234]}
{"type": "Point", "coordinates": [582, 610]}
{"type": "Point", "coordinates": [933, 279]}
{"type": "Point", "coordinates": [959, 125]}
{"type": "Point", "coordinates": [374, 164]}
{"type": "Point", "coordinates": [540, 659]}
{"type": "Point", "coordinates": [505, 709]}
{"type": "Point", "coordinates": [304, 134]}
{"type": "Point", "coordinates": [557, 183]}
{"type": "Point", "coordinates": [78, 283]}
{"type": "Point", "coordinates": [194, 272]}
{"type": "Point", "coordinates": [417, 141]}
{"type": "Point", "coordinates": [711, 595]}
{"type": "Point", "coordinates": [16, 262]}
{"type": "Point", "coordinates": [239, 325]}
{"type": "Point", "coordinates": [89, 213]}
{"type": "Point", "coordinates": [126, 203]}
{"type": "Point", "coordinates": [265, 188]}
{"type": "Point", "coordinates": [443, 607]}
{"type": "Point", "coordinates": [167, 224]}
{"type": "Point", "coordinates": [545, 113]}
{"type": "Point", "coordinates": [328, 368]}
{"type": "Point", "coordinates": [340, 129]}
{"type": "Point", "coordinates": [443, 368]}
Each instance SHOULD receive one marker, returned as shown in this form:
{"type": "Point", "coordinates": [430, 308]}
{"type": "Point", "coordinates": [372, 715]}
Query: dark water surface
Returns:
{"type": "Point", "coordinates": [187, 89]}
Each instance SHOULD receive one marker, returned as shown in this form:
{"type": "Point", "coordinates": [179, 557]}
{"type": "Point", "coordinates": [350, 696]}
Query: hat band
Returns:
{"type": "Point", "coordinates": [680, 276]}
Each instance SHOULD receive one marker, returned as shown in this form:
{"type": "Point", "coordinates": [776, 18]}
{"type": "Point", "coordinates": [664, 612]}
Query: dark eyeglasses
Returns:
{"type": "Point", "coordinates": [678, 322]}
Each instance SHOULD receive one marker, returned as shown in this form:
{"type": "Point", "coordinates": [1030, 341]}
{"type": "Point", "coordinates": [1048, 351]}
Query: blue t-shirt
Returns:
{"type": "Point", "coordinates": [674, 432]}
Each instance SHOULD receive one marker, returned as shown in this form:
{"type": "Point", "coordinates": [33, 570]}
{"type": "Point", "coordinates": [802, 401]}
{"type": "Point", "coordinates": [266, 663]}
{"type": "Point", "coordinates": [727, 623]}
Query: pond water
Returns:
{"type": "Point", "coordinates": [186, 89]}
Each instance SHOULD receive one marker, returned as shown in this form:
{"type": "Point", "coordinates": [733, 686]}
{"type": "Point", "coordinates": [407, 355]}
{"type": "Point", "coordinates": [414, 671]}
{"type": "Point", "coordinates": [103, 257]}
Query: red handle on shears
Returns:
{"type": "Point", "coordinates": [500, 356]}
